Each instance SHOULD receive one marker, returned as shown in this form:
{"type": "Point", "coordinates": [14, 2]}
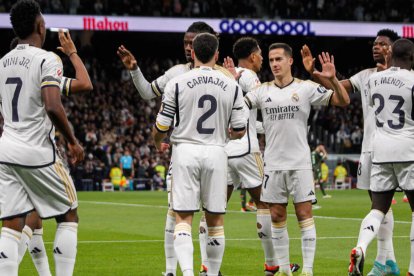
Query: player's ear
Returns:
{"type": "Point", "coordinates": [192, 54]}
{"type": "Point", "coordinates": [216, 56]}
{"type": "Point", "coordinates": [40, 26]}
{"type": "Point", "coordinates": [290, 61]}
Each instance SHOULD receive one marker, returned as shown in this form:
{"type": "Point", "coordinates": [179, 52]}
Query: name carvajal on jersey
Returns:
{"type": "Point", "coordinates": [205, 80]}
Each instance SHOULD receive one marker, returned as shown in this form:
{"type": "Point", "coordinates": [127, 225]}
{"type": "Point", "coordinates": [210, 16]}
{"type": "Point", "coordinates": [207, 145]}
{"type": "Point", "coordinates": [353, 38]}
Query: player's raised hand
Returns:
{"type": "Point", "coordinates": [66, 43]}
{"type": "Point", "coordinates": [307, 59]}
{"type": "Point", "coordinates": [127, 58]}
{"type": "Point", "coordinates": [328, 66]}
{"type": "Point", "coordinates": [76, 152]}
{"type": "Point", "coordinates": [228, 63]}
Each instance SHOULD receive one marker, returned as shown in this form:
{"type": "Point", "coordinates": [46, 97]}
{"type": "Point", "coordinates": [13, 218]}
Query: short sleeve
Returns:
{"type": "Point", "coordinates": [252, 99]}
{"type": "Point", "coordinates": [51, 70]}
{"type": "Point", "coordinates": [319, 95]}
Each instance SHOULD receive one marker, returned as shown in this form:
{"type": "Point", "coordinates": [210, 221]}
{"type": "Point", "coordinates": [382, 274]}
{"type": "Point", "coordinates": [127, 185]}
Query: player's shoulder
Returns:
{"type": "Point", "coordinates": [224, 71]}
{"type": "Point", "coordinates": [178, 69]}
{"type": "Point", "coordinates": [365, 73]}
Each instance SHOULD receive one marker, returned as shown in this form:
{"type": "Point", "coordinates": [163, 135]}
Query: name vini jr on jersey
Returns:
{"type": "Point", "coordinates": [22, 61]}
{"type": "Point", "coordinates": [281, 112]}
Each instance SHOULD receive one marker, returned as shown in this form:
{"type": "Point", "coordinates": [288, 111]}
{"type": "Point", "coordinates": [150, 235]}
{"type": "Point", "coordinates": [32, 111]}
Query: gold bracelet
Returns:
{"type": "Point", "coordinates": [72, 53]}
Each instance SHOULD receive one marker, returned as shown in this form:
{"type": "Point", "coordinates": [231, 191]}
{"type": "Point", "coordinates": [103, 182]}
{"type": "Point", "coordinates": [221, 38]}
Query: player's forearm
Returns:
{"type": "Point", "coordinates": [158, 137]}
{"type": "Point", "coordinates": [82, 82]}
{"type": "Point", "coordinates": [340, 96]}
{"type": "Point", "coordinates": [58, 117]}
{"type": "Point", "coordinates": [322, 81]}
{"type": "Point", "coordinates": [142, 85]}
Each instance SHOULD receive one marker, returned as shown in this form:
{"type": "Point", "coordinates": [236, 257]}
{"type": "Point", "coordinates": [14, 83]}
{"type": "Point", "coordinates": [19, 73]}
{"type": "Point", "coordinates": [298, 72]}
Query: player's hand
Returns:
{"type": "Point", "coordinates": [127, 58]}
{"type": "Point", "coordinates": [328, 67]}
{"type": "Point", "coordinates": [76, 152]}
{"type": "Point", "coordinates": [307, 59]}
{"type": "Point", "coordinates": [229, 65]}
{"type": "Point", "coordinates": [162, 147]}
{"type": "Point", "coordinates": [66, 44]}
{"type": "Point", "coordinates": [386, 52]}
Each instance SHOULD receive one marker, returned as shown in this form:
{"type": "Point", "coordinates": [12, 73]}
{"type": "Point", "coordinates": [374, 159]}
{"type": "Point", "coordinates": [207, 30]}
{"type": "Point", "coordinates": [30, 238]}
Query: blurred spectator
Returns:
{"type": "Point", "coordinates": [340, 172]}
{"type": "Point", "coordinates": [116, 176]}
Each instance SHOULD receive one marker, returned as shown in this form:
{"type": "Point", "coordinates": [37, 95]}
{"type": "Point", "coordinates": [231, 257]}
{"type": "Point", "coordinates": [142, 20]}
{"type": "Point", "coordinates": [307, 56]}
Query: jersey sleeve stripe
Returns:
{"type": "Point", "coordinates": [167, 115]}
{"type": "Point", "coordinates": [161, 128]}
{"type": "Point", "coordinates": [248, 102]}
{"type": "Point", "coordinates": [177, 104]}
{"type": "Point", "coordinates": [236, 94]}
{"type": "Point", "coordinates": [49, 83]}
{"type": "Point", "coordinates": [169, 109]}
{"type": "Point", "coordinates": [155, 88]}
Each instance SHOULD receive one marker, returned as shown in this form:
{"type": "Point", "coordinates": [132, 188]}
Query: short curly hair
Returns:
{"type": "Point", "coordinates": [244, 46]}
{"type": "Point", "coordinates": [23, 16]}
{"type": "Point", "coordinates": [392, 35]}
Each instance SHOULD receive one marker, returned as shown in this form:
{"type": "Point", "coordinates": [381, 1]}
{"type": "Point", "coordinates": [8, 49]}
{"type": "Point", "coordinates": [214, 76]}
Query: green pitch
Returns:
{"type": "Point", "coordinates": [122, 234]}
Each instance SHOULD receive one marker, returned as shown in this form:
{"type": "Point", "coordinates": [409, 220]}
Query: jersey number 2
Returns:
{"type": "Point", "coordinates": [19, 83]}
{"type": "Point", "coordinates": [205, 116]}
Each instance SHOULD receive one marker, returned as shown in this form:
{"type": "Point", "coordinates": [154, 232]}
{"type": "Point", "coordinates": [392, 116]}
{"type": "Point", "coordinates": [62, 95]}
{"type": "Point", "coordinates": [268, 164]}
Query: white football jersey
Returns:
{"type": "Point", "coordinates": [360, 83]}
{"type": "Point", "coordinates": [28, 133]}
{"type": "Point", "coordinates": [159, 84]}
{"type": "Point", "coordinates": [249, 143]}
{"type": "Point", "coordinates": [391, 94]}
{"type": "Point", "coordinates": [204, 102]}
{"type": "Point", "coordinates": [285, 114]}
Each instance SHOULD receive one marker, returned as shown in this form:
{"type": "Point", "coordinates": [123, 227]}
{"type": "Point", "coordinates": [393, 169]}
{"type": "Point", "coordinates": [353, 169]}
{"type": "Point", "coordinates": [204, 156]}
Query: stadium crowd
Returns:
{"type": "Point", "coordinates": [348, 10]}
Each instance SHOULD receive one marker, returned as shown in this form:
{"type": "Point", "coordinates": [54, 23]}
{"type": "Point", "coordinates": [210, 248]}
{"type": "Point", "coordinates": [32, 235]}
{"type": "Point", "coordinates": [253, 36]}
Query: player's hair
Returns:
{"type": "Point", "coordinates": [199, 27]}
{"type": "Point", "coordinates": [244, 46]}
{"type": "Point", "coordinates": [403, 49]}
{"type": "Point", "coordinates": [14, 42]}
{"type": "Point", "coordinates": [205, 46]}
{"type": "Point", "coordinates": [23, 16]}
{"type": "Point", "coordinates": [392, 35]}
{"type": "Point", "coordinates": [284, 46]}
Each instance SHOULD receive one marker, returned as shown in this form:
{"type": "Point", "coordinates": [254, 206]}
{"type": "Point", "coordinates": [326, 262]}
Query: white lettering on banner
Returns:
{"type": "Point", "coordinates": [236, 26]}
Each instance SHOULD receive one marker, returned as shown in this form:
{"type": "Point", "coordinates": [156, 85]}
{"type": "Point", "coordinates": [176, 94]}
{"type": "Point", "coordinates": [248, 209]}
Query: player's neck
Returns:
{"type": "Point", "coordinates": [198, 63]}
{"type": "Point", "coordinates": [282, 81]}
{"type": "Point", "coordinates": [402, 64]}
{"type": "Point", "coordinates": [32, 40]}
{"type": "Point", "coordinates": [245, 64]}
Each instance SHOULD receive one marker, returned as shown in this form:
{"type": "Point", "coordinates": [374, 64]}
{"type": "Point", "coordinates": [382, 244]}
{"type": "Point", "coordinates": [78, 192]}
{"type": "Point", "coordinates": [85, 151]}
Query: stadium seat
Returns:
{"type": "Point", "coordinates": [342, 184]}
{"type": "Point", "coordinates": [107, 186]}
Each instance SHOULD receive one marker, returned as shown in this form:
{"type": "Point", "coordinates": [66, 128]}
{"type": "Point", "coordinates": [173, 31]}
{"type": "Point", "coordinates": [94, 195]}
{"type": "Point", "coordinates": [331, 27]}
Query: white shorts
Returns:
{"type": "Point", "coordinates": [200, 174]}
{"type": "Point", "coordinates": [364, 171]}
{"type": "Point", "coordinates": [279, 185]}
{"type": "Point", "coordinates": [49, 190]}
{"type": "Point", "coordinates": [387, 177]}
{"type": "Point", "coordinates": [169, 177]}
{"type": "Point", "coordinates": [246, 170]}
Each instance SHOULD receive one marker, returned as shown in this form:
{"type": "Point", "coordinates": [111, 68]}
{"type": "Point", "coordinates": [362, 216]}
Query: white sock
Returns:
{"type": "Point", "coordinates": [170, 258]}
{"type": "Point", "coordinates": [264, 231]}
{"type": "Point", "coordinates": [9, 244]}
{"type": "Point", "coordinates": [202, 237]}
{"type": "Point", "coordinates": [411, 269]}
{"type": "Point", "coordinates": [308, 231]}
{"type": "Point", "coordinates": [215, 249]}
{"type": "Point", "coordinates": [369, 228]}
{"type": "Point", "coordinates": [280, 238]}
{"type": "Point", "coordinates": [38, 252]}
{"type": "Point", "coordinates": [64, 248]}
{"type": "Point", "coordinates": [24, 242]}
{"type": "Point", "coordinates": [184, 249]}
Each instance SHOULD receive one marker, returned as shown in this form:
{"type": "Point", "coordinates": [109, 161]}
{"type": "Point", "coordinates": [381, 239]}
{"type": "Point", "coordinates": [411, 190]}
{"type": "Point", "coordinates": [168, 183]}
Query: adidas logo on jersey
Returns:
{"type": "Point", "coordinates": [311, 193]}
{"type": "Point", "coordinates": [261, 235]}
{"type": "Point", "coordinates": [3, 256]}
{"type": "Point", "coordinates": [57, 251]}
{"type": "Point", "coordinates": [369, 228]}
{"type": "Point", "coordinates": [269, 100]}
{"type": "Point", "coordinates": [35, 250]}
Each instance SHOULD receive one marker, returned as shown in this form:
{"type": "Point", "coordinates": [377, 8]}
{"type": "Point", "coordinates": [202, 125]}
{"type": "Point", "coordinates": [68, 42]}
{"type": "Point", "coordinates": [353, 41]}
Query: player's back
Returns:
{"type": "Point", "coordinates": [391, 92]}
{"type": "Point", "coordinates": [27, 138]}
{"type": "Point", "coordinates": [204, 103]}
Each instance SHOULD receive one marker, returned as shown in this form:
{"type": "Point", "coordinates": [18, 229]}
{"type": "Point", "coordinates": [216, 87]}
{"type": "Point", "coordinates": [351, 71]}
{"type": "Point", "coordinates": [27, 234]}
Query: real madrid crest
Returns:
{"type": "Point", "coordinates": [295, 97]}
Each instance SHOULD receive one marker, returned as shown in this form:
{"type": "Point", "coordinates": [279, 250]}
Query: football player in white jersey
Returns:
{"type": "Point", "coordinates": [390, 93]}
{"type": "Point", "coordinates": [156, 89]}
{"type": "Point", "coordinates": [32, 175]}
{"type": "Point", "coordinates": [245, 159]}
{"type": "Point", "coordinates": [285, 104]}
{"type": "Point", "coordinates": [358, 84]}
{"type": "Point", "coordinates": [202, 103]}
{"type": "Point", "coordinates": [32, 234]}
